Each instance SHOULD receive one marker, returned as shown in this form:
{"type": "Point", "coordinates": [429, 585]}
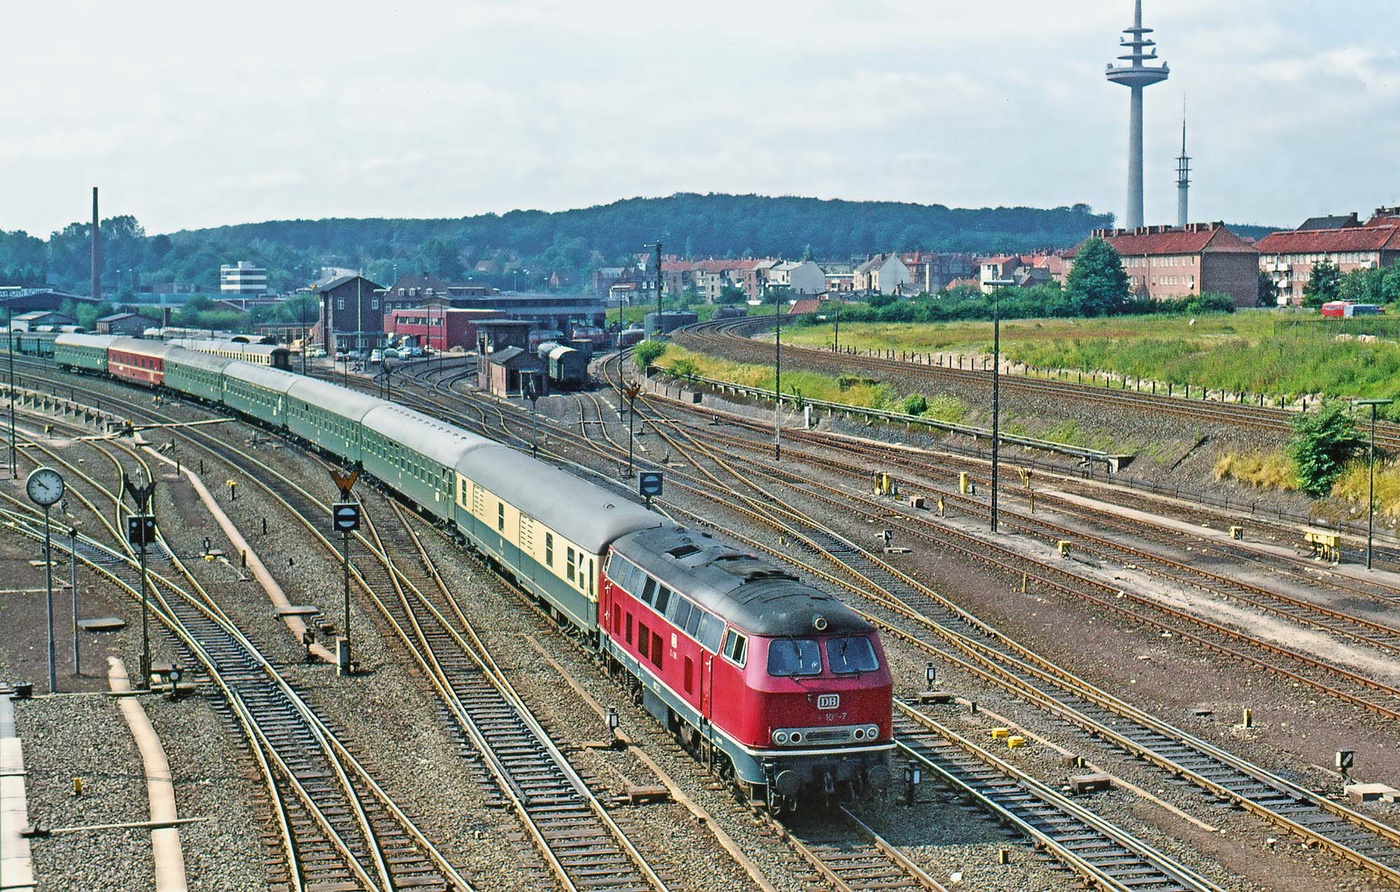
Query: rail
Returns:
{"type": "Point", "coordinates": [1111, 460]}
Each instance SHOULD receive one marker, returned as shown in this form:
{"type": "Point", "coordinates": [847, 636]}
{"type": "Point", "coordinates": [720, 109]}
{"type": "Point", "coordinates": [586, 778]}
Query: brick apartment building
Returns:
{"type": "Point", "coordinates": [1171, 263]}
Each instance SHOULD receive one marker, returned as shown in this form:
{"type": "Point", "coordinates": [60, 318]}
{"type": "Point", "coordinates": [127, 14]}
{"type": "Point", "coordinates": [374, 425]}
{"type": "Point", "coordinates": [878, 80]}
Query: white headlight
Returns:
{"type": "Point", "coordinates": [780, 738]}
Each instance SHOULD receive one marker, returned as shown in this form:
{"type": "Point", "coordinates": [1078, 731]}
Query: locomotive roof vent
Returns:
{"type": "Point", "coordinates": [750, 568]}
{"type": "Point", "coordinates": [681, 551]}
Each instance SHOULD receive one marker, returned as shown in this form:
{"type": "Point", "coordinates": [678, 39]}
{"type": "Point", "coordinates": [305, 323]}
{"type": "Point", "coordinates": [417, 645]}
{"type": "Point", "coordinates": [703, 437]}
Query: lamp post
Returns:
{"type": "Point", "coordinates": [1371, 473]}
{"type": "Point", "coordinates": [997, 285]}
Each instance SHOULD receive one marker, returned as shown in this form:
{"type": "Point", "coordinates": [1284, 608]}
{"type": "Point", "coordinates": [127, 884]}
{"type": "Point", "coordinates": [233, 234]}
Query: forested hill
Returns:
{"type": "Point", "coordinates": [701, 226]}
{"type": "Point", "coordinates": [571, 243]}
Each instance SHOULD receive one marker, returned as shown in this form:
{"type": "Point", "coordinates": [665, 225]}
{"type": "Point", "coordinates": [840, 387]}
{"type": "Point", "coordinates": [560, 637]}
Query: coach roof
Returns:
{"type": "Point", "coordinates": [584, 513]}
{"type": "Point", "coordinates": [436, 440]}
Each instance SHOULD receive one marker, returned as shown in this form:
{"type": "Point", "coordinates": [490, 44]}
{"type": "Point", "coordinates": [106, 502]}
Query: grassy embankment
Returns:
{"type": "Point", "coordinates": [1284, 356]}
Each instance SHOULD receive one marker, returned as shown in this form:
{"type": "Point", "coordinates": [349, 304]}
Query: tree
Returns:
{"type": "Point", "coordinates": [1324, 285]}
{"type": "Point", "coordinates": [647, 353]}
{"type": "Point", "coordinates": [1097, 282]}
{"type": "Point", "coordinates": [1364, 286]}
{"type": "Point", "coordinates": [1268, 290]}
{"type": "Point", "coordinates": [439, 257]}
{"type": "Point", "coordinates": [731, 294]}
{"type": "Point", "coordinates": [1322, 442]}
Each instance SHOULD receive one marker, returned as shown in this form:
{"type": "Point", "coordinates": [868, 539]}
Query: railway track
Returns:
{"type": "Point", "coordinates": [997, 658]}
{"type": "Point", "coordinates": [734, 336]}
{"type": "Point", "coordinates": [1096, 850]}
{"type": "Point", "coordinates": [337, 827]}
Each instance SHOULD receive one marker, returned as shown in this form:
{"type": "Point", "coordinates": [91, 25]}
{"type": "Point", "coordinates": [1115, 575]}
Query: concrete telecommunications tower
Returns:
{"type": "Point", "coordinates": [1135, 76]}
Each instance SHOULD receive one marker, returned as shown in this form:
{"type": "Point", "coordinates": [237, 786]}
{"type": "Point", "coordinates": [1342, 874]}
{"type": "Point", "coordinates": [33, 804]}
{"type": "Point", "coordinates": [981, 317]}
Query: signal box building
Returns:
{"type": "Point", "coordinates": [1172, 263]}
{"type": "Point", "coordinates": [350, 314]}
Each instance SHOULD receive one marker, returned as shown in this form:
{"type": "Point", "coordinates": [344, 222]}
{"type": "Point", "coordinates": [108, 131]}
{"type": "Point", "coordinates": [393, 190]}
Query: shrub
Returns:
{"type": "Point", "coordinates": [647, 353]}
{"type": "Point", "coordinates": [1322, 443]}
{"type": "Point", "coordinates": [915, 404]}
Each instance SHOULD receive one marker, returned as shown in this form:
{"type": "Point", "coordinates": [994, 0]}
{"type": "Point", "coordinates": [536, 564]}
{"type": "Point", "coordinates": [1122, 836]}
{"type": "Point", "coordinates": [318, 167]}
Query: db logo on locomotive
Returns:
{"type": "Point", "coordinates": [828, 701]}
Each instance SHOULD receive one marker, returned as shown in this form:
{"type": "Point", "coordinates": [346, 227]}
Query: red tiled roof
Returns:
{"type": "Point", "coordinates": [1191, 240]}
{"type": "Point", "coordinates": [1331, 241]}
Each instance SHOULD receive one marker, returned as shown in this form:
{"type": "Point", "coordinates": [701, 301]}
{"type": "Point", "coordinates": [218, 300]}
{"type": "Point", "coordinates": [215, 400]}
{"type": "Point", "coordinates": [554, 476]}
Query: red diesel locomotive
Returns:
{"type": "Point", "coordinates": [781, 687]}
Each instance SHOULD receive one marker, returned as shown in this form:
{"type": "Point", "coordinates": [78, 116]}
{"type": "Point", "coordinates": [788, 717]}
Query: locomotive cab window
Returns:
{"type": "Point", "coordinates": [851, 654]}
{"type": "Point", "coordinates": [736, 647]}
{"type": "Point", "coordinates": [794, 656]}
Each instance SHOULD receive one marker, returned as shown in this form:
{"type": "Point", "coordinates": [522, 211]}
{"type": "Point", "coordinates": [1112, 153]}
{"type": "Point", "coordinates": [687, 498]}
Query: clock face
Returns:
{"type": "Point", "coordinates": [45, 486]}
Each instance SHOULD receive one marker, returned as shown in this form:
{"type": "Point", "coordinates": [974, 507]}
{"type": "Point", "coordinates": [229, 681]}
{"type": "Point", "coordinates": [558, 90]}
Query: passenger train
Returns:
{"type": "Point", "coordinates": [778, 687]}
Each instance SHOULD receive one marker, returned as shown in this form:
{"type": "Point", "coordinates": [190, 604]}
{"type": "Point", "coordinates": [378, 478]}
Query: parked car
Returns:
{"type": "Point", "coordinates": [376, 356]}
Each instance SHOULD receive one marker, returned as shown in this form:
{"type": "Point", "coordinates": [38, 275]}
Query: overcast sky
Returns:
{"type": "Point", "coordinates": [201, 114]}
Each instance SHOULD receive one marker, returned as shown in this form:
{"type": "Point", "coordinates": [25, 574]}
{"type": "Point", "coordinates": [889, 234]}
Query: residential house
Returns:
{"type": "Point", "coordinates": [1288, 257]}
{"type": "Point", "coordinates": [412, 290]}
{"type": "Point", "coordinates": [840, 277]}
{"type": "Point", "coordinates": [883, 274]}
{"type": "Point", "coordinates": [1171, 263]}
{"type": "Point", "coordinates": [798, 276]}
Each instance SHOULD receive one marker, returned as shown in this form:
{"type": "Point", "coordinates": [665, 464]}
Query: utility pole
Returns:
{"type": "Point", "coordinates": [777, 378]}
{"type": "Point", "coordinates": [996, 285]}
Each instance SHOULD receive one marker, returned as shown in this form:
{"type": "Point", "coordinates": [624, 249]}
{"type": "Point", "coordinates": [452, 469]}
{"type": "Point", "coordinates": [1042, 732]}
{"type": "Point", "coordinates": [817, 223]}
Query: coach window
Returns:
{"type": "Point", "coordinates": [736, 648]}
{"type": "Point", "coordinates": [549, 549]}
{"type": "Point", "coordinates": [500, 517]}
{"type": "Point", "coordinates": [570, 566]}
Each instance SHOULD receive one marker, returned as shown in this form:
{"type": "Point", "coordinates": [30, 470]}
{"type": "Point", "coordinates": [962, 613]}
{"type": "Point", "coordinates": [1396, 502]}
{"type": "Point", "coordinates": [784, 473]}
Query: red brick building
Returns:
{"type": "Point", "coordinates": [1288, 257]}
{"type": "Point", "coordinates": [1171, 263]}
{"type": "Point", "coordinates": [436, 326]}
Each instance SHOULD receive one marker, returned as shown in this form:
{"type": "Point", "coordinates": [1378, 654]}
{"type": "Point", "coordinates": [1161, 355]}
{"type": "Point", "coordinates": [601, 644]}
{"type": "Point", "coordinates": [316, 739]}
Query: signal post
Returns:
{"type": "Point", "coordinates": [345, 519]}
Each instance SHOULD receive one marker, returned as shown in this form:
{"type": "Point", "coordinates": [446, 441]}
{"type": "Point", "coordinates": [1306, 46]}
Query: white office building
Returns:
{"type": "Point", "coordinates": [242, 278]}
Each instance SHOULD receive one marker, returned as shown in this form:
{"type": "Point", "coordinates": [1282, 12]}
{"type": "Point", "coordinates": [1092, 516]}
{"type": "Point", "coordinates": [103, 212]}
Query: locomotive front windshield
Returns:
{"type": "Point", "coordinates": [851, 655]}
{"type": "Point", "coordinates": [794, 656]}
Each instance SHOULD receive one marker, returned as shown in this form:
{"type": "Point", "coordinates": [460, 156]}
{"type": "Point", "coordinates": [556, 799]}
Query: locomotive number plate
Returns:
{"type": "Point", "coordinates": [828, 701]}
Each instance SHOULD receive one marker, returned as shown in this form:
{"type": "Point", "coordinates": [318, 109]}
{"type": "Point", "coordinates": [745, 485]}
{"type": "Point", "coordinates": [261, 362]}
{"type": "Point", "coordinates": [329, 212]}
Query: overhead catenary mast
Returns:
{"type": "Point", "coordinates": [1136, 76]}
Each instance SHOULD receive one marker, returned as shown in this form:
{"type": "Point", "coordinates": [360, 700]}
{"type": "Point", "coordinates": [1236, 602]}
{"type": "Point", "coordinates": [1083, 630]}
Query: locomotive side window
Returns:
{"type": "Point", "coordinates": [657, 651]}
{"type": "Point", "coordinates": [629, 628]}
{"type": "Point", "coordinates": [648, 591]}
{"type": "Point", "coordinates": [736, 647]}
{"type": "Point", "coordinates": [681, 613]}
{"type": "Point", "coordinates": [794, 656]}
{"type": "Point", "coordinates": [711, 630]}
{"type": "Point", "coordinates": [644, 641]}
{"type": "Point", "coordinates": [850, 654]}
{"type": "Point", "coordinates": [663, 599]}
